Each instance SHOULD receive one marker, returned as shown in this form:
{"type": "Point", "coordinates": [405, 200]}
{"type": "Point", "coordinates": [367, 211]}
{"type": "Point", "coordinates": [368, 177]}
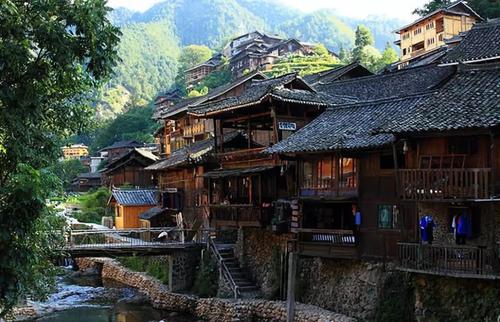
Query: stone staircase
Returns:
{"type": "Point", "coordinates": [248, 290]}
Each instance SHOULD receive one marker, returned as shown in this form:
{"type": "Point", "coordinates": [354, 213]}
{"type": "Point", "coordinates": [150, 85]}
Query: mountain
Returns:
{"type": "Point", "coordinates": [151, 41]}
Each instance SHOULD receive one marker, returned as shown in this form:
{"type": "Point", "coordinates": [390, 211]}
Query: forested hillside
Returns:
{"type": "Point", "coordinates": [151, 41]}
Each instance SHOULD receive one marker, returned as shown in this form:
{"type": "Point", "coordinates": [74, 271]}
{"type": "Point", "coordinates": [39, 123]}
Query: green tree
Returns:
{"type": "Point", "coordinates": [363, 38]}
{"type": "Point", "coordinates": [67, 170]}
{"type": "Point", "coordinates": [193, 55]}
{"type": "Point", "coordinates": [135, 124]}
{"type": "Point", "coordinates": [389, 56]}
{"type": "Point", "coordinates": [431, 6]}
{"type": "Point", "coordinates": [370, 57]}
{"type": "Point", "coordinates": [485, 8]}
{"type": "Point", "coordinates": [52, 53]}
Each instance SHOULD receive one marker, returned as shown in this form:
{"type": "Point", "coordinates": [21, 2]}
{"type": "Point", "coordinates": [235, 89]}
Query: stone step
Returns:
{"type": "Point", "coordinates": [244, 289]}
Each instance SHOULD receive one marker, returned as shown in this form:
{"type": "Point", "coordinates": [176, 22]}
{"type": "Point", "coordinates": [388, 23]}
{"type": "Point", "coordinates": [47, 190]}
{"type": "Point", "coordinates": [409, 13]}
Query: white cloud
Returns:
{"type": "Point", "coordinates": [352, 8]}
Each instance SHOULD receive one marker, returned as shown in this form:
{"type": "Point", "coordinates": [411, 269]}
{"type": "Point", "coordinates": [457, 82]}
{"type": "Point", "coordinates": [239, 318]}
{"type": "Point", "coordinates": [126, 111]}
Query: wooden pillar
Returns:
{"type": "Point", "coordinates": [216, 148]}
{"type": "Point", "coordinates": [275, 125]}
{"type": "Point", "coordinates": [493, 152]}
{"type": "Point", "coordinates": [396, 168]}
{"type": "Point", "coordinates": [249, 133]}
{"type": "Point", "coordinates": [338, 164]}
{"type": "Point", "coordinates": [221, 133]}
{"type": "Point", "coordinates": [290, 298]}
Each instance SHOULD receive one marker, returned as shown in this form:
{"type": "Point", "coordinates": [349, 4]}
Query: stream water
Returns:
{"type": "Point", "coordinates": [87, 298]}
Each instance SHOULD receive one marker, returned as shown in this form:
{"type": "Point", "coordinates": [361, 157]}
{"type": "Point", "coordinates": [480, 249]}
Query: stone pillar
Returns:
{"type": "Point", "coordinates": [182, 270]}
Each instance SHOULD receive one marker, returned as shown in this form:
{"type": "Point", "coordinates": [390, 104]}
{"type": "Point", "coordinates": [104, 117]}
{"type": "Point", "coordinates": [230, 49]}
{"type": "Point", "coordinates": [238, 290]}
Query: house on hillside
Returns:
{"type": "Point", "coordinates": [75, 151]}
{"type": "Point", "coordinates": [197, 73]}
{"type": "Point", "coordinates": [86, 181]}
{"type": "Point", "coordinates": [129, 204]}
{"type": "Point", "coordinates": [129, 170]}
{"type": "Point", "coordinates": [118, 149]}
{"type": "Point", "coordinates": [429, 33]}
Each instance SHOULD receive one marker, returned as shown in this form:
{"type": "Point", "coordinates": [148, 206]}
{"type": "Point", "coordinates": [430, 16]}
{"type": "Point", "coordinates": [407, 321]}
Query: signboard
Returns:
{"type": "Point", "coordinates": [170, 190]}
{"type": "Point", "coordinates": [287, 126]}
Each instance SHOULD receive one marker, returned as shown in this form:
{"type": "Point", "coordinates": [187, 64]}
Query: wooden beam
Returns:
{"type": "Point", "coordinates": [290, 298]}
{"type": "Point", "coordinates": [247, 117]}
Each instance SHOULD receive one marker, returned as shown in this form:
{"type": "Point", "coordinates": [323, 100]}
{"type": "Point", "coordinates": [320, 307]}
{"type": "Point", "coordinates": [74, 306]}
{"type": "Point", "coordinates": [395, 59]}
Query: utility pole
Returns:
{"type": "Point", "coordinates": [290, 299]}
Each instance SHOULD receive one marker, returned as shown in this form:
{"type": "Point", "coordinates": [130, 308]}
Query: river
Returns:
{"type": "Point", "coordinates": [86, 298]}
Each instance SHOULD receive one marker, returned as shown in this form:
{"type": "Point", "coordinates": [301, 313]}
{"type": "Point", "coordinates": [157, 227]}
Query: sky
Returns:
{"type": "Point", "coordinates": [351, 8]}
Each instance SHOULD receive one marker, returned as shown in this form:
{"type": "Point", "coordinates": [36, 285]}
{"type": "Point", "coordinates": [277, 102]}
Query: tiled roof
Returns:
{"type": "Point", "coordinates": [190, 153]}
{"type": "Point", "coordinates": [151, 213]}
{"type": "Point", "coordinates": [471, 99]}
{"type": "Point", "coordinates": [275, 88]}
{"type": "Point", "coordinates": [346, 127]}
{"type": "Point", "coordinates": [481, 43]}
{"type": "Point", "coordinates": [168, 111]}
{"type": "Point", "coordinates": [135, 197]}
{"type": "Point", "coordinates": [222, 173]}
{"type": "Point", "coordinates": [145, 158]}
{"type": "Point", "coordinates": [336, 73]}
{"type": "Point", "coordinates": [395, 84]}
{"type": "Point", "coordinates": [123, 144]}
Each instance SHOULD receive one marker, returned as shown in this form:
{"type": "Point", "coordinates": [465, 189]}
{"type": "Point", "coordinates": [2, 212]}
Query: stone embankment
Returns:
{"type": "Point", "coordinates": [210, 309]}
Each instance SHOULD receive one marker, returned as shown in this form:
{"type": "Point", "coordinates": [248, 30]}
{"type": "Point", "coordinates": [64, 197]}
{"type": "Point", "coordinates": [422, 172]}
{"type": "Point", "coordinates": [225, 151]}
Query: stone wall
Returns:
{"type": "Point", "coordinates": [456, 299]}
{"type": "Point", "coordinates": [210, 309]}
{"type": "Point", "coordinates": [258, 252]}
{"type": "Point", "coordinates": [183, 270]}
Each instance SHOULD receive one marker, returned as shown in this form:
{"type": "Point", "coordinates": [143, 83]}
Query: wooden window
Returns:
{"type": "Point", "coordinates": [404, 51]}
{"type": "Point", "coordinates": [387, 216]}
{"type": "Point", "coordinates": [326, 173]}
{"type": "Point", "coordinates": [430, 41]}
{"type": "Point", "coordinates": [307, 178]}
{"type": "Point", "coordinates": [417, 31]}
{"type": "Point", "coordinates": [430, 25]}
{"type": "Point", "coordinates": [386, 161]}
{"type": "Point", "coordinates": [348, 173]}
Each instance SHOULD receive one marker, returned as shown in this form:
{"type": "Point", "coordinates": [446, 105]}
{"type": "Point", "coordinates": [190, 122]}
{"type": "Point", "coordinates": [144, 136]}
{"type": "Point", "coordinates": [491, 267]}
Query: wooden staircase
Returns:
{"type": "Point", "coordinates": [246, 288]}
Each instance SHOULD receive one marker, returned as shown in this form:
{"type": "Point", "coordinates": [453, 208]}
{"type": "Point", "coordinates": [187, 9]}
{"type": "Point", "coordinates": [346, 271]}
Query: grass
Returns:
{"type": "Point", "coordinates": [149, 265]}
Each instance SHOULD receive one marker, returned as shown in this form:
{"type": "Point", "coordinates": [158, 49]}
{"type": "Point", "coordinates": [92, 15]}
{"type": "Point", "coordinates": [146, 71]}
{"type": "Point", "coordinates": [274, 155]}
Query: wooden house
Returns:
{"type": "Point", "coordinates": [430, 32]}
{"type": "Point", "coordinates": [352, 70]}
{"type": "Point", "coordinates": [242, 191]}
{"type": "Point", "coordinates": [450, 143]}
{"type": "Point", "coordinates": [342, 168]}
{"type": "Point", "coordinates": [129, 204]}
{"type": "Point", "coordinates": [86, 181]}
{"type": "Point", "coordinates": [197, 73]}
{"type": "Point", "coordinates": [188, 147]}
{"type": "Point", "coordinates": [118, 149]}
{"type": "Point", "coordinates": [129, 170]}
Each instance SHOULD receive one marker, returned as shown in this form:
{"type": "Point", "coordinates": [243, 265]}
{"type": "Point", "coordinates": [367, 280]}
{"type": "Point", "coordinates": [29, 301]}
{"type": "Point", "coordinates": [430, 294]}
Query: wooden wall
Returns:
{"type": "Point", "coordinates": [128, 216]}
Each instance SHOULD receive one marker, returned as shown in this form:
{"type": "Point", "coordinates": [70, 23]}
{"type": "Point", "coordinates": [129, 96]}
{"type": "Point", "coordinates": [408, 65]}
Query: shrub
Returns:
{"type": "Point", "coordinates": [206, 281]}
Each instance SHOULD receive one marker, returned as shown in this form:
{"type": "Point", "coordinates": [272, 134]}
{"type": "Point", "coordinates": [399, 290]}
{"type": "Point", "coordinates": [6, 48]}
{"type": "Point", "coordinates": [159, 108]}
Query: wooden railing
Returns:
{"type": "Point", "coordinates": [420, 184]}
{"type": "Point", "coordinates": [449, 260]}
{"type": "Point", "coordinates": [330, 236]}
{"type": "Point", "coordinates": [244, 155]}
{"type": "Point", "coordinates": [194, 129]}
{"type": "Point", "coordinates": [329, 188]}
{"type": "Point", "coordinates": [236, 213]}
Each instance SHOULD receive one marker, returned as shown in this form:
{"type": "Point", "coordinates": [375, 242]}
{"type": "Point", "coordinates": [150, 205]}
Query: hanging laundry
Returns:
{"type": "Point", "coordinates": [427, 226]}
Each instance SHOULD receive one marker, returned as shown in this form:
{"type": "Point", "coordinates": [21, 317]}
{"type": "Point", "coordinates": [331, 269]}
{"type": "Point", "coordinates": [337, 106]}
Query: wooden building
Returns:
{"type": "Point", "coordinates": [86, 181]}
{"type": "Point", "coordinates": [430, 32]}
{"type": "Point", "coordinates": [197, 73]}
{"type": "Point", "coordinates": [242, 191]}
{"type": "Point", "coordinates": [188, 147]}
{"type": "Point", "coordinates": [342, 168]}
{"type": "Point", "coordinates": [352, 70]}
{"type": "Point", "coordinates": [118, 149]}
{"type": "Point", "coordinates": [129, 170]}
{"type": "Point", "coordinates": [450, 142]}
{"type": "Point", "coordinates": [129, 204]}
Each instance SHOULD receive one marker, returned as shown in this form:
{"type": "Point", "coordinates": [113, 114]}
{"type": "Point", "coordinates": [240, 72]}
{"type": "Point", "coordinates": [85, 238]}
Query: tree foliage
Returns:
{"type": "Point", "coordinates": [67, 170]}
{"type": "Point", "coordinates": [135, 124]}
{"type": "Point", "coordinates": [485, 8]}
{"type": "Point", "coordinates": [51, 54]}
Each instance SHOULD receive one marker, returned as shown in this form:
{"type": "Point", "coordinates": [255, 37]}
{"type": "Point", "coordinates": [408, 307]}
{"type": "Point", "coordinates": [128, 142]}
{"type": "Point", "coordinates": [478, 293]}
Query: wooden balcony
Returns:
{"type": "Point", "coordinates": [442, 184]}
{"type": "Point", "coordinates": [329, 188]}
{"type": "Point", "coordinates": [327, 243]}
{"type": "Point", "coordinates": [449, 260]}
{"type": "Point", "coordinates": [417, 52]}
{"type": "Point", "coordinates": [236, 215]}
{"type": "Point", "coordinates": [194, 129]}
{"type": "Point", "coordinates": [246, 156]}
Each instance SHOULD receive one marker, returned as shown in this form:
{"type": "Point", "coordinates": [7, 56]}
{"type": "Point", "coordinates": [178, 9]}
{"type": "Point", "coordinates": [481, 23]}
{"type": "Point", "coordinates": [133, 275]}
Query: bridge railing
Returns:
{"type": "Point", "coordinates": [136, 237]}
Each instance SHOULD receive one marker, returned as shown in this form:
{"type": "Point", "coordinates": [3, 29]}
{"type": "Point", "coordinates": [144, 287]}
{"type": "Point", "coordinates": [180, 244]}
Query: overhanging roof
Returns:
{"type": "Point", "coordinates": [236, 172]}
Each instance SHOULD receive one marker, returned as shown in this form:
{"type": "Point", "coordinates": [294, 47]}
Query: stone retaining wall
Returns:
{"type": "Point", "coordinates": [210, 309]}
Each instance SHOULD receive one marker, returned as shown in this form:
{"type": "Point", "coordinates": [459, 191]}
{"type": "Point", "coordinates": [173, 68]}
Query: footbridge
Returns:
{"type": "Point", "coordinates": [139, 241]}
